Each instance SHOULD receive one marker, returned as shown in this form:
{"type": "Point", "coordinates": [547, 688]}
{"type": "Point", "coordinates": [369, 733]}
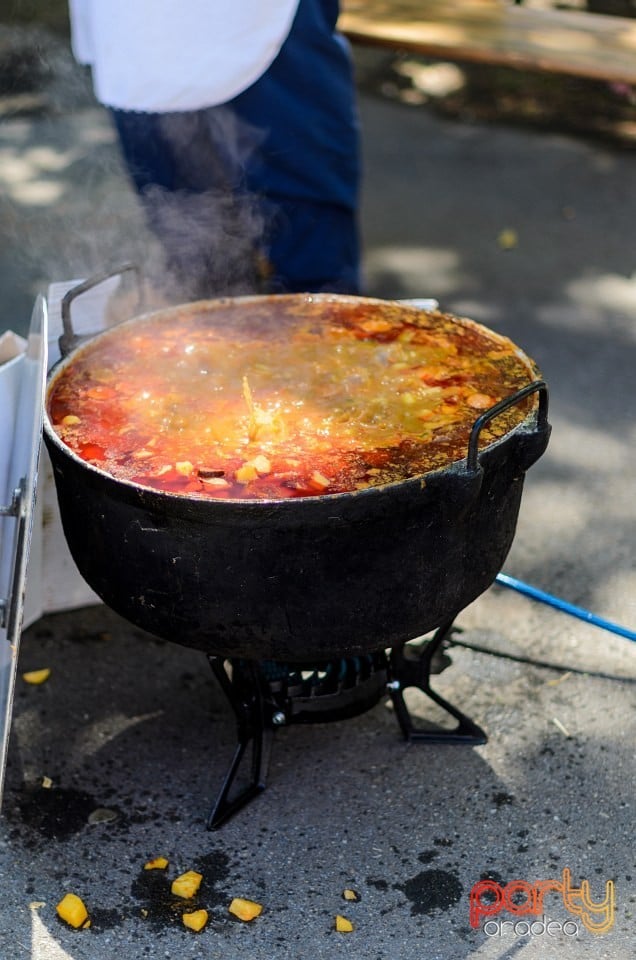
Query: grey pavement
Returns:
{"type": "Point", "coordinates": [531, 233]}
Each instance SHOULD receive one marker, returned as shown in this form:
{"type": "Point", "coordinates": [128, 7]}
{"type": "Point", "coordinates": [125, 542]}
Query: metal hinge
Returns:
{"type": "Point", "coordinates": [13, 509]}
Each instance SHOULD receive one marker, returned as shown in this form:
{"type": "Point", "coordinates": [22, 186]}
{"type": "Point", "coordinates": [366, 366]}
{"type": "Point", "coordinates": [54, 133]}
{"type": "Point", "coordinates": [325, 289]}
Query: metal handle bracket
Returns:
{"type": "Point", "coordinates": [69, 338]}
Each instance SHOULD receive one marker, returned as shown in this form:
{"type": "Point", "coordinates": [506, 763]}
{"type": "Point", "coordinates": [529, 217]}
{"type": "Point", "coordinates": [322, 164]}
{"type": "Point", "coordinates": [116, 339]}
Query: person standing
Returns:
{"type": "Point", "coordinates": [238, 126]}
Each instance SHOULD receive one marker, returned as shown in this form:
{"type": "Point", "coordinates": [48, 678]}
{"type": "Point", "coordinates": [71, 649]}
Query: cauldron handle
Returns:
{"type": "Point", "coordinates": [543, 427]}
{"type": "Point", "coordinates": [69, 339]}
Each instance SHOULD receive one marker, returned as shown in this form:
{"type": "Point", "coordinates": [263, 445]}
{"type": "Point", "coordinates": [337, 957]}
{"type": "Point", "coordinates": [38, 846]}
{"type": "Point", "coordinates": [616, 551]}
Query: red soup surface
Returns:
{"type": "Point", "coordinates": [284, 397]}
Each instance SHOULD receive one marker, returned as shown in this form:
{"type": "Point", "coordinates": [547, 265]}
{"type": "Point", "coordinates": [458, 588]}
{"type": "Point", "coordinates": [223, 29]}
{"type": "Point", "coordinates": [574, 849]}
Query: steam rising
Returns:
{"type": "Point", "coordinates": [211, 233]}
{"type": "Point", "coordinates": [69, 209]}
{"type": "Point", "coordinates": [208, 244]}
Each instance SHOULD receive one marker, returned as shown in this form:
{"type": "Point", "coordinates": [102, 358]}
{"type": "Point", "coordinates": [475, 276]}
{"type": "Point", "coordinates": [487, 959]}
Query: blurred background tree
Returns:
{"type": "Point", "coordinates": [52, 14]}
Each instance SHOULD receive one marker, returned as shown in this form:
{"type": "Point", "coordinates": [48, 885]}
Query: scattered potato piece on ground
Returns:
{"type": "Point", "coordinates": [187, 884]}
{"type": "Point", "coordinates": [350, 894]}
{"type": "Point", "coordinates": [36, 676]}
{"type": "Point", "coordinates": [343, 925]}
{"type": "Point", "coordinates": [195, 920]}
{"type": "Point", "coordinates": [157, 863]}
{"type": "Point", "coordinates": [72, 910]}
{"type": "Point", "coordinates": [245, 909]}
{"type": "Point", "coordinates": [508, 239]}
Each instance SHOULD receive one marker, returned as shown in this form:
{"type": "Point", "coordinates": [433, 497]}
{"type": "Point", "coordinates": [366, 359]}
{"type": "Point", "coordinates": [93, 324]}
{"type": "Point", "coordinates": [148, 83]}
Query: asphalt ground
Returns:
{"type": "Point", "coordinates": [117, 757]}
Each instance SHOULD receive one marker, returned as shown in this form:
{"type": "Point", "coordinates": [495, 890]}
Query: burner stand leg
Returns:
{"type": "Point", "coordinates": [245, 694]}
{"type": "Point", "coordinates": [416, 672]}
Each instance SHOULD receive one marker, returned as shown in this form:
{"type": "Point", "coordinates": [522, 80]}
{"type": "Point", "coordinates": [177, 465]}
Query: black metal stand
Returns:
{"type": "Point", "coordinates": [267, 695]}
{"type": "Point", "coordinates": [415, 671]}
{"type": "Point", "coordinates": [244, 690]}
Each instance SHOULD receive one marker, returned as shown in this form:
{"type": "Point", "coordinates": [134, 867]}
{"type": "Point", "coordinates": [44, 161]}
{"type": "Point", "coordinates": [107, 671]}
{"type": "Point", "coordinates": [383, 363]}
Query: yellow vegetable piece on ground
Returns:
{"type": "Point", "coordinates": [72, 910]}
{"type": "Point", "coordinates": [508, 239]}
{"type": "Point", "coordinates": [350, 894]}
{"type": "Point", "coordinates": [158, 863]}
{"type": "Point", "coordinates": [187, 884]}
{"type": "Point", "coordinates": [245, 909]}
{"type": "Point", "coordinates": [343, 925]}
{"type": "Point", "coordinates": [195, 920]}
{"type": "Point", "coordinates": [36, 676]}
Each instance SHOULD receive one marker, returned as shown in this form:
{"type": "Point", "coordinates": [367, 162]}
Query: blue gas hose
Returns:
{"type": "Point", "coordinates": [505, 581]}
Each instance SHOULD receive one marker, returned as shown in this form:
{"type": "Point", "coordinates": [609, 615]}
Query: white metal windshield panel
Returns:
{"type": "Point", "coordinates": [24, 386]}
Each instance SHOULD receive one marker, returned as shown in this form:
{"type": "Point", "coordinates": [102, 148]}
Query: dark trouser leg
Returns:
{"type": "Point", "coordinates": [312, 247]}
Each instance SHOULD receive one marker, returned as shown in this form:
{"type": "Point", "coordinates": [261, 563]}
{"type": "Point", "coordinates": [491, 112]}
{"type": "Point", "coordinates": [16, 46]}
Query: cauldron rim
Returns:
{"type": "Point", "coordinates": [228, 506]}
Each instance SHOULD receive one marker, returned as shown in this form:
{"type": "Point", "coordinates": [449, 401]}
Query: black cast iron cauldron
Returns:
{"type": "Point", "coordinates": [303, 579]}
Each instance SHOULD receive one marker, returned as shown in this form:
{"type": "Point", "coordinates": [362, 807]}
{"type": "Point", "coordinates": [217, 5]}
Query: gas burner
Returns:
{"type": "Point", "coordinates": [319, 693]}
{"type": "Point", "coordinates": [266, 695]}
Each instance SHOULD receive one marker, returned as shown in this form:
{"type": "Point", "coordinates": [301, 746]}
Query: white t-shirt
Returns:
{"type": "Point", "coordinates": [162, 56]}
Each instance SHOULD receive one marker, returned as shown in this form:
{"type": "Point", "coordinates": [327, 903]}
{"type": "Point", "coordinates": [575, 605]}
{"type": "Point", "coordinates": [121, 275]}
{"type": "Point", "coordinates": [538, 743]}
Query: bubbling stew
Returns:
{"type": "Point", "coordinates": [291, 396]}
